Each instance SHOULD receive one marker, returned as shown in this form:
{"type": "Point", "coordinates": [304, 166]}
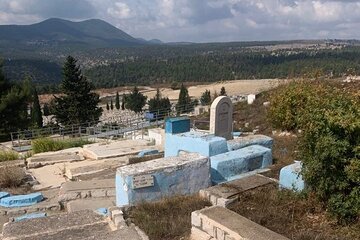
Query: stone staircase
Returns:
{"type": "Point", "coordinates": [84, 225]}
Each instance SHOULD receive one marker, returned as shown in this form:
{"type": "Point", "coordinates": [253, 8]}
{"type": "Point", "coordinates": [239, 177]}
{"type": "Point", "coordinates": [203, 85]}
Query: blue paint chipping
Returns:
{"type": "Point", "coordinates": [30, 216]}
{"type": "Point", "coordinates": [205, 144]}
{"type": "Point", "coordinates": [177, 125]}
{"type": "Point", "coordinates": [291, 178]}
{"type": "Point", "coordinates": [229, 166]}
{"type": "Point", "coordinates": [21, 200]}
{"type": "Point", "coordinates": [236, 134]}
{"type": "Point", "coordinates": [4, 194]}
{"type": "Point", "coordinates": [102, 211]}
{"type": "Point", "coordinates": [147, 152]}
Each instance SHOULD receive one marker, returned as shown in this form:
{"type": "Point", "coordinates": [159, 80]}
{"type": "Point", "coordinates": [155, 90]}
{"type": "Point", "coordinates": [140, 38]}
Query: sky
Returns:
{"type": "Point", "coordinates": [201, 20]}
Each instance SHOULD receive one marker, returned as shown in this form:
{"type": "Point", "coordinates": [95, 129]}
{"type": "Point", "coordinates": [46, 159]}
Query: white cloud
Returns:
{"type": "Point", "coordinates": [202, 20]}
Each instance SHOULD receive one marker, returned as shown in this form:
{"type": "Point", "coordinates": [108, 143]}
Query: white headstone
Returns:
{"type": "Point", "coordinates": [251, 98]}
{"type": "Point", "coordinates": [221, 119]}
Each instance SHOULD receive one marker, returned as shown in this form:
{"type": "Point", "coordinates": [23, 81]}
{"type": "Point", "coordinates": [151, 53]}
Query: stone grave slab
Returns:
{"type": "Point", "coordinates": [165, 177]}
{"type": "Point", "coordinates": [245, 141]}
{"type": "Point", "coordinates": [52, 158]}
{"type": "Point", "coordinates": [50, 176]}
{"type": "Point", "coordinates": [221, 117]}
{"type": "Point", "coordinates": [90, 204]}
{"type": "Point", "coordinates": [226, 193]}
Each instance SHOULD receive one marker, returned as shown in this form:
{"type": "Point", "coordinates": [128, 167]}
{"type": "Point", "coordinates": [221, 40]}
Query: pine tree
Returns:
{"type": "Point", "coordinates": [123, 102]}
{"type": "Point", "coordinates": [36, 115]}
{"type": "Point", "coordinates": [184, 104]}
{"type": "Point", "coordinates": [223, 91]}
{"type": "Point", "coordinates": [205, 98]}
{"type": "Point", "coordinates": [135, 101]}
{"type": "Point", "coordinates": [107, 106]}
{"type": "Point", "coordinates": [111, 105]}
{"type": "Point", "coordinates": [159, 106]}
{"type": "Point", "coordinates": [117, 101]}
{"type": "Point", "coordinates": [46, 109]}
{"type": "Point", "coordinates": [78, 105]}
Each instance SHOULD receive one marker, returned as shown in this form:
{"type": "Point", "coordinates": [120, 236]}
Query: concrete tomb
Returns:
{"type": "Point", "coordinates": [249, 140]}
{"type": "Point", "coordinates": [291, 178]}
{"type": "Point", "coordinates": [165, 177]}
{"type": "Point", "coordinates": [221, 119]}
{"type": "Point", "coordinates": [21, 200]}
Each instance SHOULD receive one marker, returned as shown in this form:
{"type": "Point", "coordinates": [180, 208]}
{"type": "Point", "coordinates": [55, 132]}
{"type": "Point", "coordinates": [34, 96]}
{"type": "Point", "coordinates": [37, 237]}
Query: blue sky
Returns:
{"type": "Point", "coordinates": [201, 20]}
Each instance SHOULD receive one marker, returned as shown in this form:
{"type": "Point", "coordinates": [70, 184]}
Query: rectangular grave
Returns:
{"type": "Point", "coordinates": [159, 178]}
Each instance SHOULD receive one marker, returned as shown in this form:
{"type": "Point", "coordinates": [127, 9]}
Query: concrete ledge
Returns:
{"type": "Point", "coordinates": [229, 166]}
{"type": "Point", "coordinates": [165, 177]}
{"type": "Point", "coordinates": [226, 193]}
{"type": "Point", "coordinates": [87, 189]}
{"type": "Point", "coordinates": [220, 223]}
{"type": "Point", "coordinates": [249, 140]}
{"type": "Point", "coordinates": [205, 144]}
{"type": "Point", "coordinates": [49, 159]}
{"type": "Point", "coordinates": [90, 204]}
{"type": "Point", "coordinates": [136, 159]}
{"type": "Point", "coordinates": [21, 200]}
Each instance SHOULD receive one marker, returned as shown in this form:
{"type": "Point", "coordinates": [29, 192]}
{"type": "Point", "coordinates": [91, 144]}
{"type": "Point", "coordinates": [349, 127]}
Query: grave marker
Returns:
{"type": "Point", "coordinates": [221, 117]}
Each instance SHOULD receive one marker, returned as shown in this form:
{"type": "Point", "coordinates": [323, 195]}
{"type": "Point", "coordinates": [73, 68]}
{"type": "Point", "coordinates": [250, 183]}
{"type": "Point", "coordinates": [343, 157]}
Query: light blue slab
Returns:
{"type": "Point", "coordinates": [21, 200]}
{"type": "Point", "coordinates": [205, 144]}
{"type": "Point", "coordinates": [4, 194]}
{"type": "Point", "coordinates": [147, 152]}
{"type": "Point", "coordinates": [30, 216]}
{"type": "Point", "coordinates": [102, 211]}
{"type": "Point", "coordinates": [291, 178]}
{"type": "Point", "coordinates": [245, 141]}
{"type": "Point", "coordinates": [229, 166]}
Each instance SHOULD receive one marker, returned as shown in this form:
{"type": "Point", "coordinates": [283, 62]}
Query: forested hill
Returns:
{"type": "Point", "coordinates": [149, 64]}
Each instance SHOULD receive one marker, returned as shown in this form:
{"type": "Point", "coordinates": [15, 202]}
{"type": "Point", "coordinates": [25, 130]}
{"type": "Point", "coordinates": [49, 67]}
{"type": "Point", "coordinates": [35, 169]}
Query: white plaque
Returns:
{"type": "Point", "coordinates": [142, 181]}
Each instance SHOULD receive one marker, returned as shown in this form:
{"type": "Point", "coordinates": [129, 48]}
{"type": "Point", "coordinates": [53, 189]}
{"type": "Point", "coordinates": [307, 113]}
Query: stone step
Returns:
{"type": "Point", "coordinates": [90, 204]}
{"type": "Point", "coordinates": [86, 189]}
{"type": "Point", "coordinates": [49, 159]}
{"type": "Point", "coordinates": [77, 225]}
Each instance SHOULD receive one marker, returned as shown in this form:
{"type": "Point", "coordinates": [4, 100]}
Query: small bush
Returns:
{"type": "Point", "coordinates": [330, 143]}
{"type": "Point", "coordinates": [8, 156]}
{"type": "Point", "coordinates": [48, 145]}
{"type": "Point", "coordinates": [11, 176]}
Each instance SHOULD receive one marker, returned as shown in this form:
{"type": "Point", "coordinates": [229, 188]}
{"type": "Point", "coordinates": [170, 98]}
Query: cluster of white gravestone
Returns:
{"type": "Point", "coordinates": [120, 116]}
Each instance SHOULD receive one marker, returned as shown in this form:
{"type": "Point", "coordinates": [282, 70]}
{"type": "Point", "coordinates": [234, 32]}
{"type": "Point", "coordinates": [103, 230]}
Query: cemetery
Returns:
{"type": "Point", "coordinates": [96, 191]}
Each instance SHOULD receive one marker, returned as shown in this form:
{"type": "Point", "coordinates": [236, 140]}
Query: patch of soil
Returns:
{"type": "Point", "coordinates": [296, 217]}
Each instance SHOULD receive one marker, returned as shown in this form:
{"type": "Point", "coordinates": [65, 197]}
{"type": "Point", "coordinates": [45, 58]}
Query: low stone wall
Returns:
{"type": "Point", "coordinates": [218, 223]}
{"type": "Point", "coordinates": [87, 189]}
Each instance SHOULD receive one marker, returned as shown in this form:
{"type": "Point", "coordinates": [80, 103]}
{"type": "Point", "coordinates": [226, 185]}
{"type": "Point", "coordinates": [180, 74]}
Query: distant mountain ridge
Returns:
{"type": "Point", "coordinates": [93, 33]}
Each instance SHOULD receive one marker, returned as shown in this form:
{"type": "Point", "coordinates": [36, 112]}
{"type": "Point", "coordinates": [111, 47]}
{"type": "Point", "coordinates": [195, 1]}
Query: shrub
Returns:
{"type": "Point", "coordinates": [8, 156]}
{"type": "Point", "coordinates": [47, 145]}
{"type": "Point", "coordinates": [330, 143]}
{"type": "Point", "coordinates": [11, 176]}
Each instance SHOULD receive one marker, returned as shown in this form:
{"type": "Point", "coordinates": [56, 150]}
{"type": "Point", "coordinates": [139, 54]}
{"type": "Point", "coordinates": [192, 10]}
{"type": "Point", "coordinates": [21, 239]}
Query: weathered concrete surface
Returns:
{"type": "Point", "coordinates": [245, 141]}
{"type": "Point", "coordinates": [90, 204]}
{"type": "Point", "coordinates": [93, 166]}
{"type": "Point", "coordinates": [115, 149]}
{"type": "Point", "coordinates": [50, 203]}
{"type": "Point", "coordinates": [87, 189]}
{"type": "Point", "coordinates": [50, 176]}
{"type": "Point", "coordinates": [291, 178]}
{"type": "Point", "coordinates": [220, 223]}
{"type": "Point", "coordinates": [197, 142]}
{"type": "Point", "coordinates": [229, 166]}
{"type": "Point", "coordinates": [64, 226]}
{"type": "Point", "coordinates": [158, 135]}
{"type": "Point", "coordinates": [137, 159]}
{"type": "Point", "coordinates": [226, 193]}
{"type": "Point", "coordinates": [52, 158]}
{"type": "Point", "coordinates": [182, 175]}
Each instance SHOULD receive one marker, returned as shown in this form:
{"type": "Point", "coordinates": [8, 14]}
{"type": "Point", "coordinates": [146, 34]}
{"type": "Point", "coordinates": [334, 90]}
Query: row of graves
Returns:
{"type": "Point", "coordinates": [218, 165]}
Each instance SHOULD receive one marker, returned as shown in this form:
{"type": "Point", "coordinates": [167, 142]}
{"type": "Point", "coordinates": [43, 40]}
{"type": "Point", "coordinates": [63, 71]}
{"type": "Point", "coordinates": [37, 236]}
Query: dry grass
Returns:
{"type": "Point", "coordinates": [297, 217]}
{"type": "Point", "coordinates": [11, 177]}
{"type": "Point", "coordinates": [167, 219]}
{"type": "Point", "coordinates": [8, 156]}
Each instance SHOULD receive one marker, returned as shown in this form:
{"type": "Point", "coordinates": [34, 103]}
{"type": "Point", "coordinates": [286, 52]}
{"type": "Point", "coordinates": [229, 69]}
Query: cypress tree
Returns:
{"type": "Point", "coordinates": [184, 102]}
{"type": "Point", "coordinates": [159, 105]}
{"type": "Point", "coordinates": [117, 101]}
{"type": "Point", "coordinates": [46, 109]}
{"type": "Point", "coordinates": [205, 98]}
{"type": "Point", "coordinates": [135, 101]}
{"type": "Point", "coordinates": [222, 91]}
{"type": "Point", "coordinates": [107, 106]}
{"type": "Point", "coordinates": [78, 104]}
{"type": "Point", "coordinates": [111, 104]}
{"type": "Point", "coordinates": [123, 102]}
{"type": "Point", "coordinates": [36, 115]}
